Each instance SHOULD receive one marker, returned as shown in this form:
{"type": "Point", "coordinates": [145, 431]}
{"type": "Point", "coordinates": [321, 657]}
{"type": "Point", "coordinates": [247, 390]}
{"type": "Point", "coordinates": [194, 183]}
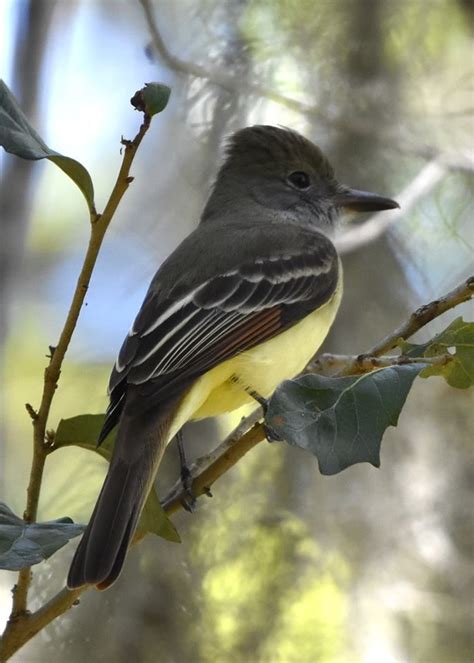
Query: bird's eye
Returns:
{"type": "Point", "coordinates": [299, 180]}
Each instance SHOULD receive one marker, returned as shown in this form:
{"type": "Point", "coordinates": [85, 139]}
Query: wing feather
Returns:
{"type": "Point", "coordinates": [176, 340]}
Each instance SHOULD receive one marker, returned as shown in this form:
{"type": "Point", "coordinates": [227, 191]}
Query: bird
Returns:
{"type": "Point", "coordinates": [242, 303]}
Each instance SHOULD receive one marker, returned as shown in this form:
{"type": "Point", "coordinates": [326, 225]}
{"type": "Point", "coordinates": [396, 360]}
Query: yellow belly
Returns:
{"type": "Point", "coordinates": [261, 368]}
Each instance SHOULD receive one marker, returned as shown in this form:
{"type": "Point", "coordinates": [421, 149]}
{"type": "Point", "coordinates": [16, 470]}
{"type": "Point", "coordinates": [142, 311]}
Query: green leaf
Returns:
{"type": "Point", "coordinates": [412, 350]}
{"type": "Point", "coordinates": [23, 544]}
{"type": "Point", "coordinates": [83, 431]}
{"type": "Point", "coordinates": [341, 420]}
{"type": "Point", "coordinates": [18, 137]}
{"type": "Point", "coordinates": [155, 520]}
{"type": "Point", "coordinates": [456, 340]}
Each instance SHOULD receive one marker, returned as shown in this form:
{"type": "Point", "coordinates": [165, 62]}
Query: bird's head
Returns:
{"type": "Point", "coordinates": [279, 174]}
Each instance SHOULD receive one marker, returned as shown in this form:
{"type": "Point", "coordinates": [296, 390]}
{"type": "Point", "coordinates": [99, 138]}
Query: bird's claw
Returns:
{"type": "Point", "coordinates": [188, 499]}
{"type": "Point", "coordinates": [270, 434]}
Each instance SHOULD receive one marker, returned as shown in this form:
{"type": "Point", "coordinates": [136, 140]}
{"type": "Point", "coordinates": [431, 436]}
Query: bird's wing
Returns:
{"type": "Point", "coordinates": [176, 340]}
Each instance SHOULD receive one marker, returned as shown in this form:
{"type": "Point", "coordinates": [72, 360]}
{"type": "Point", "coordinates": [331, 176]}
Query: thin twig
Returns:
{"type": "Point", "coordinates": [99, 225]}
{"type": "Point", "coordinates": [350, 364]}
{"type": "Point", "coordinates": [31, 411]}
{"type": "Point", "coordinates": [337, 365]}
{"type": "Point", "coordinates": [20, 631]}
{"type": "Point", "coordinates": [423, 315]}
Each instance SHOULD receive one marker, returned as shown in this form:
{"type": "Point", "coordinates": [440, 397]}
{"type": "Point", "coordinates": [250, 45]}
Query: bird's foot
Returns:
{"type": "Point", "coordinates": [188, 499]}
{"type": "Point", "coordinates": [270, 434]}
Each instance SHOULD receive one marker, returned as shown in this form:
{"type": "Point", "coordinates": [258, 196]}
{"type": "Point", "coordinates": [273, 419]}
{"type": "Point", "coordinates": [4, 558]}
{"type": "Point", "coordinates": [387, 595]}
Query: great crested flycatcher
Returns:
{"type": "Point", "coordinates": [242, 303]}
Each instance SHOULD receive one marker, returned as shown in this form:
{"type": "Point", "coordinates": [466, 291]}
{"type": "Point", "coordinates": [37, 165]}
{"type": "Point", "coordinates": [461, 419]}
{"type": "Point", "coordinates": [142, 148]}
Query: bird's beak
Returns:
{"type": "Point", "coordinates": [362, 201]}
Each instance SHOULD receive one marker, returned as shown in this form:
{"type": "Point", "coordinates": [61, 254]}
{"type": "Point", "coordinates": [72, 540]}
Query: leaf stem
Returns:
{"type": "Point", "coordinates": [423, 315]}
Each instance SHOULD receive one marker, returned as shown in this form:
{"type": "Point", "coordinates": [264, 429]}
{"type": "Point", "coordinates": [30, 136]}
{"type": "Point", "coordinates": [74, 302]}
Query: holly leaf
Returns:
{"type": "Point", "coordinates": [412, 350]}
{"type": "Point", "coordinates": [457, 340]}
{"type": "Point", "coordinates": [25, 544]}
{"type": "Point", "coordinates": [340, 420]}
{"type": "Point", "coordinates": [18, 137]}
{"type": "Point", "coordinates": [83, 431]}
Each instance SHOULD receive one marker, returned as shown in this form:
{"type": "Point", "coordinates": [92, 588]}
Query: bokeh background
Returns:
{"type": "Point", "coordinates": [283, 565]}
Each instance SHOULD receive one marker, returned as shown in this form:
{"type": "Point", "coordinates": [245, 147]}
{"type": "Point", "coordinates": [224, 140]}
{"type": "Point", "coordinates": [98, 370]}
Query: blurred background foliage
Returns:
{"type": "Point", "coordinates": [283, 565]}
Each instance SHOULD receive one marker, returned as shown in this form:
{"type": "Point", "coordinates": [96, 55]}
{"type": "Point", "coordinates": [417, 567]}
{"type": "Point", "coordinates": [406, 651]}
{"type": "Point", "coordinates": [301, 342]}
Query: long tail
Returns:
{"type": "Point", "coordinates": [139, 447]}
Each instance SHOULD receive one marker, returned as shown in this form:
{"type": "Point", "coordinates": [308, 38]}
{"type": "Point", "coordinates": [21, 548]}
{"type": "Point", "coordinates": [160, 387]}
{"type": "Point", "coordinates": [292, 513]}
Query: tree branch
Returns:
{"type": "Point", "coordinates": [351, 365]}
{"type": "Point", "coordinates": [19, 631]}
{"type": "Point", "coordinates": [337, 365]}
{"type": "Point", "coordinates": [99, 225]}
{"type": "Point", "coordinates": [423, 315]}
